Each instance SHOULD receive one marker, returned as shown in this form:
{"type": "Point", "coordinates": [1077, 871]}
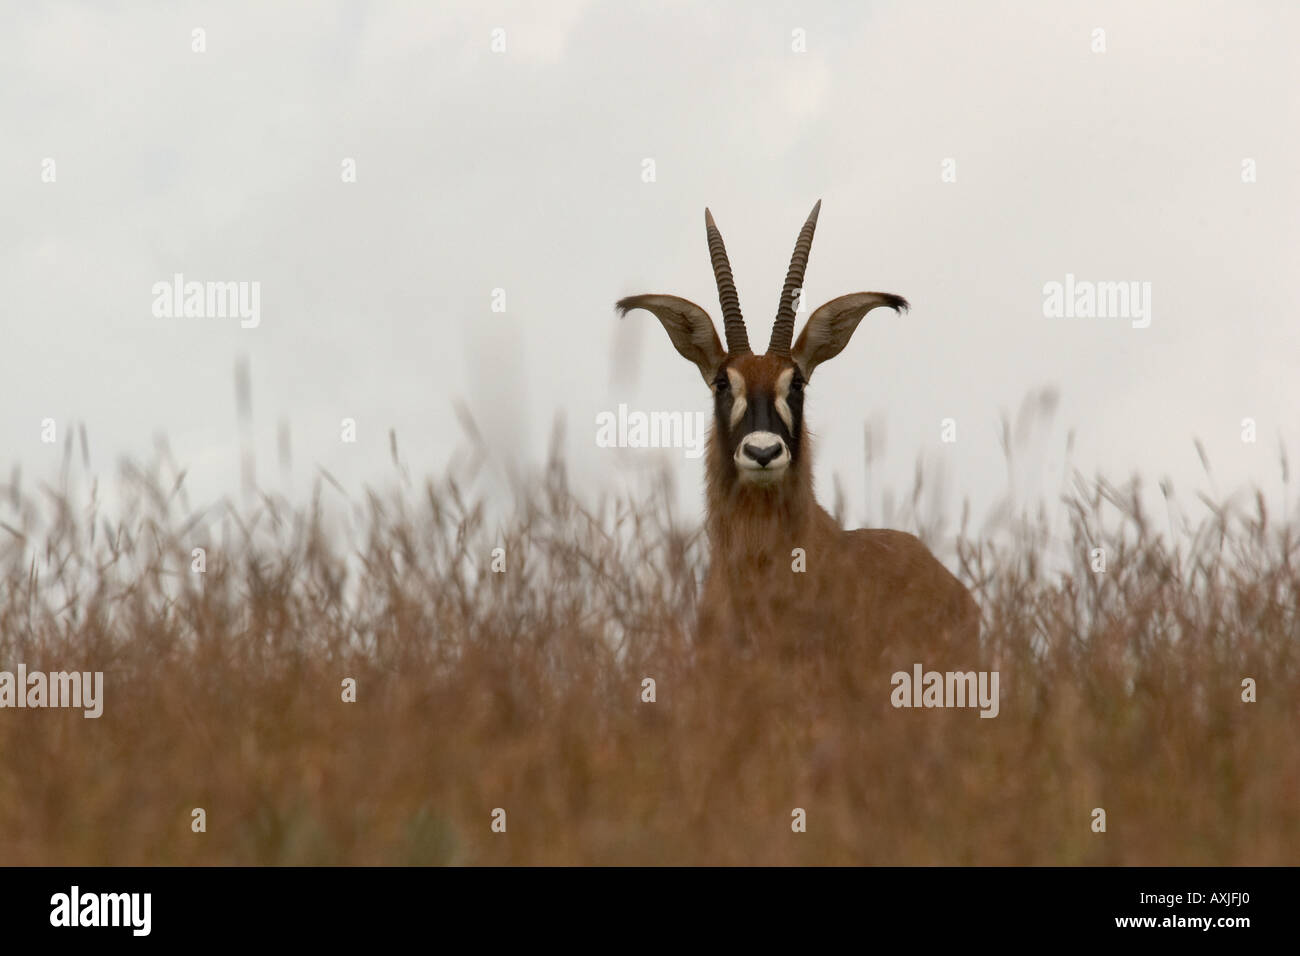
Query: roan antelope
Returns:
{"type": "Point", "coordinates": [869, 590]}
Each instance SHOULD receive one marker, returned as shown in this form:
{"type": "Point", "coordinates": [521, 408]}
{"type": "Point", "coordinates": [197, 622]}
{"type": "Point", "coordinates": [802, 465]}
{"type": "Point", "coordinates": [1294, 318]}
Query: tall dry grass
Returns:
{"type": "Point", "coordinates": [522, 690]}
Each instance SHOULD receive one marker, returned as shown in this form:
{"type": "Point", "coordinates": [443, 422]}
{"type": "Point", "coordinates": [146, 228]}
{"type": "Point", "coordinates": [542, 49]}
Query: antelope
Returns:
{"type": "Point", "coordinates": [869, 589]}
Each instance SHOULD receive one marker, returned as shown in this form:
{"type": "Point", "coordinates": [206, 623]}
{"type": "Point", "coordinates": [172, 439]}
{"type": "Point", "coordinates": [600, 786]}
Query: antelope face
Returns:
{"type": "Point", "coordinates": [758, 399]}
{"type": "Point", "coordinates": [758, 416]}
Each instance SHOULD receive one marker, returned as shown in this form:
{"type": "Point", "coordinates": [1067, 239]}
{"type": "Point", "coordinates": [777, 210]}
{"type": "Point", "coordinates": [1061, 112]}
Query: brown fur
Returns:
{"type": "Point", "coordinates": [875, 592]}
{"type": "Point", "coordinates": [870, 590]}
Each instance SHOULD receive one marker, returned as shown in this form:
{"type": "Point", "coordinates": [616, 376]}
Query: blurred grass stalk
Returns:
{"type": "Point", "coordinates": [522, 690]}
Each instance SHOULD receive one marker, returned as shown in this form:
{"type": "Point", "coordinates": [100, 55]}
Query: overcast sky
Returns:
{"type": "Point", "coordinates": [1117, 156]}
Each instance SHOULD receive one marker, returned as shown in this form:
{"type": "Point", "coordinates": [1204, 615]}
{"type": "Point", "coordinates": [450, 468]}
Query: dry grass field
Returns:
{"type": "Point", "coordinates": [522, 690]}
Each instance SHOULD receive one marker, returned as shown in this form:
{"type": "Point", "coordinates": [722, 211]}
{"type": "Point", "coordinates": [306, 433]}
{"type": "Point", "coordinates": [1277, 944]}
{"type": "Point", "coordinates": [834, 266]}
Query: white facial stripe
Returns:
{"type": "Point", "coordinates": [783, 392]}
{"type": "Point", "coordinates": [738, 403]}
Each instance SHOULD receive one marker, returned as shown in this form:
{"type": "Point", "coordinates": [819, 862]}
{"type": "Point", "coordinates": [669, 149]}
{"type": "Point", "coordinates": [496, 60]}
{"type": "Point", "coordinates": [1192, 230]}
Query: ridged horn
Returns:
{"type": "Point", "coordinates": [732, 321]}
{"type": "Point", "coordinates": [783, 327]}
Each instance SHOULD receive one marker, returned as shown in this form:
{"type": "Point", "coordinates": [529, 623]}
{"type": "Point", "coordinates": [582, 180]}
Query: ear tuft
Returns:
{"type": "Point", "coordinates": [626, 305]}
{"type": "Point", "coordinates": [895, 302]}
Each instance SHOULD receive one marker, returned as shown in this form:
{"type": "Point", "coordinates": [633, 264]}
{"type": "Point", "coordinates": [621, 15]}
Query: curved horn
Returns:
{"type": "Point", "coordinates": [732, 322]}
{"type": "Point", "coordinates": [783, 327]}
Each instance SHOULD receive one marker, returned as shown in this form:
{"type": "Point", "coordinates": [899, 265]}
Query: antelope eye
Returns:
{"type": "Point", "coordinates": [722, 383]}
{"type": "Point", "coordinates": [796, 385]}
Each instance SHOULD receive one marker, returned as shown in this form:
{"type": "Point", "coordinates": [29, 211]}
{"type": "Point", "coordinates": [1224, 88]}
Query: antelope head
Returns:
{"type": "Point", "coordinates": [758, 432]}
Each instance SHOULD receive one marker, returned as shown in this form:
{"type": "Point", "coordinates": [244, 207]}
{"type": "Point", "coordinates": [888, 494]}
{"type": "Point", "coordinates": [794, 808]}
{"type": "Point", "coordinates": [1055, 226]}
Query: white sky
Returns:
{"type": "Point", "coordinates": [523, 170]}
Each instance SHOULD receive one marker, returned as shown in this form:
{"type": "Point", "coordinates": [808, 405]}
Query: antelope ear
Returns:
{"type": "Point", "coordinates": [830, 327]}
{"type": "Point", "coordinates": [687, 325]}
